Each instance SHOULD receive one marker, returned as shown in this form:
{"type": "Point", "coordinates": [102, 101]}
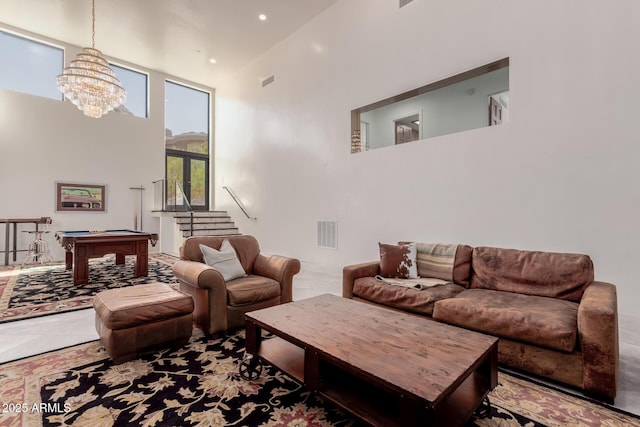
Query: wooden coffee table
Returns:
{"type": "Point", "coordinates": [384, 367]}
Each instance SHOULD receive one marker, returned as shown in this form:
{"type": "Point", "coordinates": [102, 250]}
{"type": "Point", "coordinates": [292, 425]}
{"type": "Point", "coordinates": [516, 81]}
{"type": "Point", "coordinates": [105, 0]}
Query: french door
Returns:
{"type": "Point", "coordinates": [191, 173]}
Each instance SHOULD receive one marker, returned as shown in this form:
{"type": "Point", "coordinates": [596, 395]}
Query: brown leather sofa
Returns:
{"type": "Point", "coordinates": [221, 305]}
{"type": "Point", "coordinates": [553, 319]}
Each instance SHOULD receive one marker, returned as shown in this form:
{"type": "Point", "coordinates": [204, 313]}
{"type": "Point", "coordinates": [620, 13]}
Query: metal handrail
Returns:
{"type": "Point", "coordinates": [238, 202]}
{"type": "Point", "coordinates": [184, 196]}
{"type": "Point", "coordinates": [187, 204]}
{"type": "Point", "coordinates": [164, 185]}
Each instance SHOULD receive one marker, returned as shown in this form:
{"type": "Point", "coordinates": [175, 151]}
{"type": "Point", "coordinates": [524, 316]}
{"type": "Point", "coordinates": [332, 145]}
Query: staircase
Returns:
{"type": "Point", "coordinates": [176, 226]}
{"type": "Point", "coordinates": [206, 223]}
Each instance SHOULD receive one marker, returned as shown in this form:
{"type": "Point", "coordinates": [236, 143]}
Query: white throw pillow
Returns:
{"type": "Point", "coordinates": [225, 260]}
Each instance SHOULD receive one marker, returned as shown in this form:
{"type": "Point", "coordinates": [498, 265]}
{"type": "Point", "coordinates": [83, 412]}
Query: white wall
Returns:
{"type": "Point", "coordinates": [43, 141]}
{"type": "Point", "coordinates": [561, 176]}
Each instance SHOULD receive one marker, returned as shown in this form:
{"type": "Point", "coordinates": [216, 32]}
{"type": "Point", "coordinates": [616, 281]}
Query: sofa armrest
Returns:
{"type": "Point", "coordinates": [279, 268]}
{"type": "Point", "coordinates": [598, 332]}
{"type": "Point", "coordinates": [209, 292]}
{"type": "Point", "coordinates": [352, 272]}
{"type": "Point", "coordinates": [198, 274]}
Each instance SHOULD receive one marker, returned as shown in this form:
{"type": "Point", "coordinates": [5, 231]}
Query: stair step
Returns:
{"type": "Point", "coordinates": [206, 223]}
{"type": "Point", "coordinates": [204, 220]}
{"type": "Point", "coordinates": [198, 214]}
{"type": "Point", "coordinates": [207, 226]}
{"type": "Point", "coordinates": [218, 232]}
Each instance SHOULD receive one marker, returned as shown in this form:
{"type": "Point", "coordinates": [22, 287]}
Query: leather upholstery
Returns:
{"type": "Point", "coordinates": [541, 321]}
{"type": "Point", "coordinates": [246, 248]}
{"type": "Point", "coordinates": [221, 305]}
{"type": "Point", "coordinates": [136, 318]}
{"type": "Point", "coordinates": [547, 274]}
{"type": "Point", "coordinates": [542, 295]}
{"type": "Point", "coordinates": [251, 289]}
{"type": "Point", "coordinates": [598, 333]}
{"type": "Point", "coordinates": [409, 299]}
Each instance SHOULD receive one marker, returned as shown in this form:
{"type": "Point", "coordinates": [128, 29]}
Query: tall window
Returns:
{"type": "Point", "coordinates": [187, 113]}
{"type": "Point", "coordinates": [29, 66]}
{"type": "Point", "coordinates": [135, 83]}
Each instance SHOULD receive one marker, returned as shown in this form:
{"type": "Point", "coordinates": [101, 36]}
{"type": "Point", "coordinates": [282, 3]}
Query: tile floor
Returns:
{"type": "Point", "coordinates": [28, 337]}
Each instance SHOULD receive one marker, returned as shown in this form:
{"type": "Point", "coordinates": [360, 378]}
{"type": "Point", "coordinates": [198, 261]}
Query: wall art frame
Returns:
{"type": "Point", "coordinates": [74, 197]}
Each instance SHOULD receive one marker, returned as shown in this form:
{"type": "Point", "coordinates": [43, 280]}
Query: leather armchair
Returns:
{"type": "Point", "coordinates": [220, 305]}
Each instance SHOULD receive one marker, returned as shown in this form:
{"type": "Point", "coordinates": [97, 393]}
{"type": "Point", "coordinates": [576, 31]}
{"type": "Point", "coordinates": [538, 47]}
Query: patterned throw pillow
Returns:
{"type": "Point", "coordinates": [398, 261]}
{"type": "Point", "coordinates": [436, 260]}
{"type": "Point", "coordinates": [225, 260]}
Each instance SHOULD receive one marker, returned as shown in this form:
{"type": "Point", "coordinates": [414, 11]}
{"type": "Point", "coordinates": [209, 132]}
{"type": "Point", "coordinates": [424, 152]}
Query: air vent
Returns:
{"type": "Point", "coordinates": [403, 3]}
{"type": "Point", "coordinates": [268, 80]}
{"type": "Point", "coordinates": [328, 234]}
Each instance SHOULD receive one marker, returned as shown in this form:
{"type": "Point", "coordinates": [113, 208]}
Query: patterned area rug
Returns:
{"type": "Point", "coordinates": [199, 385]}
{"type": "Point", "coordinates": [48, 289]}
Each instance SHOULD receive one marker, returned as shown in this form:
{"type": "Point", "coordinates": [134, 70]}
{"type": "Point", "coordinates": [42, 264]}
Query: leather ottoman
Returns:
{"type": "Point", "coordinates": [136, 318]}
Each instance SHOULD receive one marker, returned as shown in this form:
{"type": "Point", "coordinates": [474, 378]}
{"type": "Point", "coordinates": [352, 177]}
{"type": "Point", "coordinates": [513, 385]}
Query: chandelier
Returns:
{"type": "Point", "coordinates": [89, 82]}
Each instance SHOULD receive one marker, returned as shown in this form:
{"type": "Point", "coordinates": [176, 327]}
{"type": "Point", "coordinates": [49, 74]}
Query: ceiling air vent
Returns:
{"type": "Point", "coordinates": [328, 234]}
{"type": "Point", "coordinates": [403, 3]}
{"type": "Point", "coordinates": [268, 80]}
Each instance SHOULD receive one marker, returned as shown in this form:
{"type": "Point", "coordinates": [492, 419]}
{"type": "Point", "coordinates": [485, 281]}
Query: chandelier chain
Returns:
{"type": "Point", "coordinates": [93, 24]}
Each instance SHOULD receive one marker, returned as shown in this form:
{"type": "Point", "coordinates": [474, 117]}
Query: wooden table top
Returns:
{"type": "Point", "coordinates": [20, 220]}
{"type": "Point", "coordinates": [416, 354]}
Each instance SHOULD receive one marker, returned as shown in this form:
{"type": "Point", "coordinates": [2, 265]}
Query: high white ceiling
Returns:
{"type": "Point", "coordinates": [178, 37]}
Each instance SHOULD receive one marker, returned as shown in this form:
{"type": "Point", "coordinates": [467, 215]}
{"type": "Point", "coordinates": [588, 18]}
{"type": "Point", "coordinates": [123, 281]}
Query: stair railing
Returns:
{"type": "Point", "coordinates": [167, 194]}
{"type": "Point", "coordinates": [238, 202]}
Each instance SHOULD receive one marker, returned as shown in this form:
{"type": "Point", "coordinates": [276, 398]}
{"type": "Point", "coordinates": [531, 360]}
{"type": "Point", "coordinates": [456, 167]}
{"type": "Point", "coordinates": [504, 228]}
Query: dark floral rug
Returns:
{"type": "Point", "coordinates": [199, 385]}
{"type": "Point", "coordinates": [48, 289]}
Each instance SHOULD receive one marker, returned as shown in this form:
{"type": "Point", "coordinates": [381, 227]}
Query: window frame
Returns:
{"type": "Point", "coordinates": [43, 42]}
{"type": "Point", "coordinates": [147, 85]}
{"type": "Point", "coordinates": [188, 156]}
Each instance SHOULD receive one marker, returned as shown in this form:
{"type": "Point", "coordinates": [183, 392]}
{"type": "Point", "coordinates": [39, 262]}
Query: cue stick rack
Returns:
{"type": "Point", "coordinates": [137, 213]}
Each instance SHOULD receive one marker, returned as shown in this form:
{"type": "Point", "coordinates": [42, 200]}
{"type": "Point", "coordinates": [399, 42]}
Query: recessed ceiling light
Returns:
{"type": "Point", "coordinates": [262, 17]}
{"type": "Point", "coordinates": [213, 60]}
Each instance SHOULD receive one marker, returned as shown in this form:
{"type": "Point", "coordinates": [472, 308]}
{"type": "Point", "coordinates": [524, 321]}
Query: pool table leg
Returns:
{"type": "Point", "coordinates": [68, 260]}
{"type": "Point", "coordinates": [120, 258]}
{"type": "Point", "coordinates": [80, 265]}
{"type": "Point", "coordinates": [142, 259]}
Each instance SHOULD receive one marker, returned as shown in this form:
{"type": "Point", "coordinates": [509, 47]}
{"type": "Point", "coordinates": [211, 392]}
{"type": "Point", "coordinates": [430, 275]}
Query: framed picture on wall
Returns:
{"type": "Point", "coordinates": [80, 197]}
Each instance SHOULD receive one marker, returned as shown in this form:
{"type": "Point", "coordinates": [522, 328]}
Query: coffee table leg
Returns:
{"type": "Point", "coordinates": [250, 367]}
{"type": "Point", "coordinates": [253, 337]}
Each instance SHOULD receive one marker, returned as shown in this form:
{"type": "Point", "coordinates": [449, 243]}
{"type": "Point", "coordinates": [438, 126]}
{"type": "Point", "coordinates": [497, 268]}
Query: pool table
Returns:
{"type": "Point", "coordinates": [80, 246]}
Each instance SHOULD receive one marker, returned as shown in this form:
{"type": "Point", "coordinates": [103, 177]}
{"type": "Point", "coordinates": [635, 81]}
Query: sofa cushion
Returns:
{"type": "Point", "coordinates": [546, 274]}
{"type": "Point", "coordinates": [251, 289]}
{"type": "Point", "coordinates": [398, 260]}
{"type": "Point", "coordinates": [545, 322]}
{"type": "Point", "coordinates": [404, 298]}
{"type": "Point", "coordinates": [224, 260]}
{"type": "Point", "coordinates": [444, 261]}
